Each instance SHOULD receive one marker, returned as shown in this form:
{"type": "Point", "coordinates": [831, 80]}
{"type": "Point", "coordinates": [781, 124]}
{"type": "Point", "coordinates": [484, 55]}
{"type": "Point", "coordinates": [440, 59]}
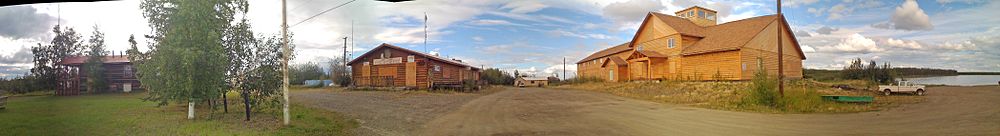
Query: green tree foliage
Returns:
{"type": "Point", "coordinates": [763, 89]}
{"type": "Point", "coordinates": [46, 57]}
{"type": "Point", "coordinates": [871, 72]}
{"type": "Point", "coordinates": [96, 80]}
{"type": "Point", "coordinates": [299, 73]}
{"type": "Point", "coordinates": [495, 76]}
{"type": "Point", "coordinates": [188, 62]}
{"type": "Point", "coordinates": [20, 84]}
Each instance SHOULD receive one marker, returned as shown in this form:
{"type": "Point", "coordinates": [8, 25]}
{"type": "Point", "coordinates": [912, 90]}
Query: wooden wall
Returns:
{"type": "Point", "coordinates": [707, 66]}
{"type": "Point", "coordinates": [594, 69]}
{"type": "Point", "coordinates": [764, 46]}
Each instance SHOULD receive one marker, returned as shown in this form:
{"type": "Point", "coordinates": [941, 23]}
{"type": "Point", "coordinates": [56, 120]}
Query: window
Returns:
{"type": "Point", "coordinates": [670, 43]}
{"type": "Point", "coordinates": [410, 58]}
{"type": "Point", "coordinates": [690, 13]}
{"type": "Point", "coordinates": [639, 48]}
{"type": "Point", "coordinates": [701, 14]}
{"type": "Point", "coordinates": [386, 54]}
{"type": "Point", "coordinates": [711, 16]}
{"type": "Point", "coordinates": [744, 66]}
{"type": "Point", "coordinates": [128, 71]}
{"type": "Point", "coordinates": [437, 68]}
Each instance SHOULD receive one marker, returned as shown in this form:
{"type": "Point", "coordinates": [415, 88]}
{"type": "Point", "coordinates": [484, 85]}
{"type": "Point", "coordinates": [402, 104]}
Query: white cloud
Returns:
{"type": "Point", "coordinates": [964, 1]}
{"type": "Point", "coordinates": [796, 3]}
{"type": "Point", "coordinates": [478, 38]}
{"type": "Point", "coordinates": [908, 44]}
{"type": "Point", "coordinates": [558, 69]}
{"type": "Point", "coordinates": [627, 14]}
{"type": "Point", "coordinates": [560, 32]}
{"type": "Point", "coordinates": [909, 16]}
{"type": "Point", "coordinates": [816, 11]}
{"type": "Point", "coordinates": [838, 11]}
{"type": "Point", "coordinates": [966, 45]}
{"type": "Point", "coordinates": [486, 22]}
{"type": "Point", "coordinates": [807, 49]}
{"type": "Point", "coordinates": [856, 43]}
{"type": "Point", "coordinates": [526, 6]}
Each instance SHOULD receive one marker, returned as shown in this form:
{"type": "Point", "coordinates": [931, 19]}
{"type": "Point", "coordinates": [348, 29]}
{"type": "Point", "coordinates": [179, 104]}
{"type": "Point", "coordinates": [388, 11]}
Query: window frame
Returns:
{"type": "Point", "coordinates": [671, 43]}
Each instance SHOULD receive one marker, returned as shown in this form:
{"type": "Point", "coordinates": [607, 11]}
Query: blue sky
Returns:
{"type": "Point", "coordinates": [534, 36]}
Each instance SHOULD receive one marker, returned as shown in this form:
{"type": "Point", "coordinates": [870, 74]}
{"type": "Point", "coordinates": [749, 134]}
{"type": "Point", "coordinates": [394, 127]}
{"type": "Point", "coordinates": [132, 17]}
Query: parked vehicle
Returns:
{"type": "Point", "coordinates": [902, 86]}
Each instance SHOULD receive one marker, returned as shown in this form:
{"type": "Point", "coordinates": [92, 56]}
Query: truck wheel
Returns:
{"type": "Point", "coordinates": [886, 92]}
{"type": "Point", "coordinates": [920, 92]}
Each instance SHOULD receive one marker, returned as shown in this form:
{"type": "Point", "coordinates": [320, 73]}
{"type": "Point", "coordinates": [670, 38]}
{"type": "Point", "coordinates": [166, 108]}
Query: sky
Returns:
{"type": "Point", "coordinates": [535, 36]}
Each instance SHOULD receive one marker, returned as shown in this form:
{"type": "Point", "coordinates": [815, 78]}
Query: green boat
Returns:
{"type": "Point", "coordinates": [842, 98]}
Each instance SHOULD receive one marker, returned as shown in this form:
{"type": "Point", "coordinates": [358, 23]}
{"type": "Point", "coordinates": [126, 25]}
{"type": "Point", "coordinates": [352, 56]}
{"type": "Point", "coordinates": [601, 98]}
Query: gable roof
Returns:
{"type": "Point", "coordinates": [609, 51]}
{"type": "Point", "coordinates": [651, 54]}
{"type": "Point", "coordinates": [618, 61]}
{"type": "Point", "coordinates": [722, 37]}
{"type": "Point", "coordinates": [385, 45]}
{"type": "Point", "coordinates": [78, 60]}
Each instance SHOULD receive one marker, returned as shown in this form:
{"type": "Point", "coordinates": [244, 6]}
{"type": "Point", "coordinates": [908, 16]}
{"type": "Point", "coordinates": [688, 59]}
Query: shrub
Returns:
{"type": "Point", "coordinates": [762, 90]}
{"type": "Point", "coordinates": [494, 76]}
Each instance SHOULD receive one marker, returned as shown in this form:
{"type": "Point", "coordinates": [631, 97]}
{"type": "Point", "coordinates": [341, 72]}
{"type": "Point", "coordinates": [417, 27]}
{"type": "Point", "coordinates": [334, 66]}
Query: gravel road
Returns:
{"type": "Point", "coordinates": [540, 111]}
{"type": "Point", "coordinates": [536, 111]}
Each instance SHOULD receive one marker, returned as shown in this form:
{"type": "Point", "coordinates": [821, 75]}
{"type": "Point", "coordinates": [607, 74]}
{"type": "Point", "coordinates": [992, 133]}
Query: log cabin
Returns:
{"type": "Point", "coordinates": [118, 71]}
{"type": "Point", "coordinates": [691, 46]}
{"type": "Point", "coordinates": [396, 67]}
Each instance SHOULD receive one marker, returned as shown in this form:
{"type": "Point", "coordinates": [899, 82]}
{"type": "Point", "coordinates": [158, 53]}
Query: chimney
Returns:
{"type": "Point", "coordinates": [699, 15]}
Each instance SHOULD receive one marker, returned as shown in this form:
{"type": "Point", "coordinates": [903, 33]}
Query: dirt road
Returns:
{"type": "Point", "coordinates": [387, 113]}
{"type": "Point", "coordinates": [535, 111]}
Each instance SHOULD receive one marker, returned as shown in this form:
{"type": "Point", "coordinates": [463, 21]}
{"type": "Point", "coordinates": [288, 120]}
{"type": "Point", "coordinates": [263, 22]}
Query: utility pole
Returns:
{"type": "Point", "coordinates": [425, 33]}
{"type": "Point", "coordinates": [781, 66]}
{"type": "Point", "coordinates": [345, 50]}
{"type": "Point", "coordinates": [284, 62]}
{"type": "Point", "coordinates": [564, 68]}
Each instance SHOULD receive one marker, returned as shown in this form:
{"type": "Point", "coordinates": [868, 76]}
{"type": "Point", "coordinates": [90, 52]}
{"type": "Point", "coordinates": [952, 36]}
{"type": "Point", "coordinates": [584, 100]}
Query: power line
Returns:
{"type": "Point", "coordinates": [321, 13]}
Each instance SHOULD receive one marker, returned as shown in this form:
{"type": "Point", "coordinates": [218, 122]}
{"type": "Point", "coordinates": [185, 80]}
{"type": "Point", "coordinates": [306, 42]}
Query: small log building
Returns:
{"type": "Point", "coordinates": [118, 71]}
{"type": "Point", "coordinates": [396, 67]}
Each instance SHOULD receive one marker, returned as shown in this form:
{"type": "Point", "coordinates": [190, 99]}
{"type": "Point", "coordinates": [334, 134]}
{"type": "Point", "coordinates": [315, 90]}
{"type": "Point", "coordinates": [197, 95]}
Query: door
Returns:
{"type": "Point", "coordinates": [611, 74]}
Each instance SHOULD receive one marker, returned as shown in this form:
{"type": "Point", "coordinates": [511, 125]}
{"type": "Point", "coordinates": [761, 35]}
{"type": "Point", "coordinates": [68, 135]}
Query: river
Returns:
{"type": "Point", "coordinates": [959, 80]}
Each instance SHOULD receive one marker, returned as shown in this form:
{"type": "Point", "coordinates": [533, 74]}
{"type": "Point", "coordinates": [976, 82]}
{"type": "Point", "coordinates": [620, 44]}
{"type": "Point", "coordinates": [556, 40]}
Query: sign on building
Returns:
{"type": "Point", "coordinates": [395, 60]}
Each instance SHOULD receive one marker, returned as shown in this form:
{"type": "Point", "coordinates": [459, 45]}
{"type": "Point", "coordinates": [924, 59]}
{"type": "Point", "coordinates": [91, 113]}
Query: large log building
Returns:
{"type": "Point", "coordinates": [393, 66]}
{"type": "Point", "coordinates": [118, 71]}
{"type": "Point", "coordinates": [691, 46]}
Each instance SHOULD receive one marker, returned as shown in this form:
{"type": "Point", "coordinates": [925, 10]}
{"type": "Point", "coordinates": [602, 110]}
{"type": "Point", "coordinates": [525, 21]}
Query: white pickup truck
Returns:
{"type": "Point", "coordinates": [903, 86]}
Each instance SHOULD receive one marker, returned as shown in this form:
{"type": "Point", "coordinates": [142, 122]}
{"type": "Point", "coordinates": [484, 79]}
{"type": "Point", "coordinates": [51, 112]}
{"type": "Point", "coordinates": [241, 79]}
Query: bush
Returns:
{"type": "Point", "coordinates": [871, 72]}
{"type": "Point", "coordinates": [494, 76]}
{"type": "Point", "coordinates": [762, 90]}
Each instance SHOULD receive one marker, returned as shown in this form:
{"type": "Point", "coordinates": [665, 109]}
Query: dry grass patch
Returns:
{"type": "Point", "coordinates": [801, 96]}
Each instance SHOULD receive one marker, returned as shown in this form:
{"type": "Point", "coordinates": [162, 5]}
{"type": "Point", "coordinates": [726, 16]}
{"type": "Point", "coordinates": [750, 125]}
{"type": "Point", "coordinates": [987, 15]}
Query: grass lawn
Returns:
{"type": "Point", "coordinates": [126, 114]}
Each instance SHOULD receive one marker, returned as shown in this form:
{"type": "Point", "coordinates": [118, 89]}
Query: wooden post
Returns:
{"type": "Point", "coordinates": [781, 66]}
